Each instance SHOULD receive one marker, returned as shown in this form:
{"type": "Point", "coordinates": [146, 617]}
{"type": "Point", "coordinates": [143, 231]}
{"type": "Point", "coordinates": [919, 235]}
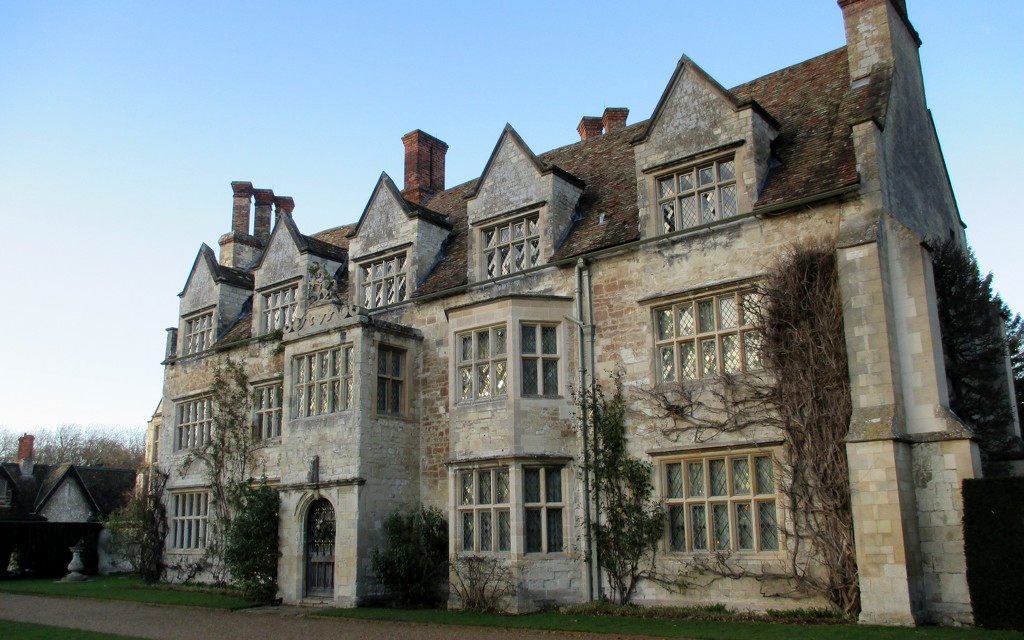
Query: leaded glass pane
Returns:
{"type": "Point", "coordinates": [768, 526]}
{"type": "Point", "coordinates": [706, 175]}
{"type": "Point", "coordinates": [534, 253]}
{"type": "Point", "coordinates": [500, 378]}
{"type": "Point", "coordinates": [687, 361]}
{"type": "Point", "coordinates": [382, 396]}
{"type": "Point", "coordinates": [752, 350]}
{"type": "Point", "coordinates": [518, 230]}
{"type": "Point", "coordinates": [529, 377]}
{"type": "Point", "coordinates": [727, 315]}
{"type": "Point", "coordinates": [720, 524]}
{"type": "Point", "coordinates": [730, 354]}
{"type": "Point", "coordinates": [719, 480]}
{"type": "Point", "coordinates": [382, 361]}
{"type": "Point", "coordinates": [367, 296]}
{"type": "Point", "coordinates": [695, 479]}
{"type": "Point", "coordinates": [467, 488]}
{"type": "Point", "coordinates": [389, 267]}
{"type": "Point", "coordinates": [554, 530]}
{"type": "Point", "coordinates": [396, 397]}
{"type": "Point", "coordinates": [668, 364]}
{"type": "Point", "coordinates": [553, 485]}
{"type": "Point", "coordinates": [709, 363]}
{"type": "Point", "coordinates": [492, 264]}
{"type": "Point", "coordinates": [708, 210]}
{"type": "Point", "coordinates": [378, 294]}
{"type": "Point", "coordinates": [531, 485]}
{"type": "Point", "coordinates": [467, 531]}
{"type": "Point", "coordinates": [504, 531]}
{"type": "Point", "coordinates": [533, 533]}
{"type": "Point", "coordinates": [505, 260]}
{"type": "Point", "coordinates": [499, 341]}
{"type": "Point", "coordinates": [686, 181]}
{"type": "Point", "coordinates": [728, 195]}
{"type": "Point", "coordinates": [483, 483]}
{"type": "Point", "coordinates": [549, 340]}
{"type": "Point", "coordinates": [699, 527]}
{"type": "Point", "coordinates": [483, 381]}
{"type": "Point", "coordinates": [324, 399]}
{"type": "Point", "coordinates": [740, 477]}
{"type": "Point", "coordinates": [466, 348]}
{"type": "Point", "coordinates": [519, 251]}
{"type": "Point", "coordinates": [485, 531]}
{"type": "Point", "coordinates": [675, 480]}
{"type": "Point", "coordinates": [663, 318]}
{"type": "Point", "coordinates": [400, 287]}
{"type": "Point", "coordinates": [489, 238]}
{"type": "Point", "coordinates": [744, 527]}
{"type": "Point", "coordinates": [677, 528]}
{"type": "Point", "coordinates": [348, 392]}
{"type": "Point", "coordinates": [686, 323]}
{"type": "Point", "coordinates": [396, 364]}
{"type": "Point", "coordinates": [529, 338]}
{"type": "Point", "coordinates": [726, 170]}
{"type": "Point", "coordinates": [668, 216]}
{"type": "Point", "coordinates": [501, 487]}
{"type": "Point", "coordinates": [503, 235]}
{"type": "Point", "coordinates": [688, 211]}
{"type": "Point", "coordinates": [706, 313]}
{"type": "Point", "coordinates": [550, 377]}
{"type": "Point", "coordinates": [765, 475]}
{"type": "Point", "coordinates": [532, 227]}
{"type": "Point", "coordinates": [666, 187]}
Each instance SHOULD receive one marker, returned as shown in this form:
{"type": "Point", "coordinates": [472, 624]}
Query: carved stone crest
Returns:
{"type": "Point", "coordinates": [322, 286]}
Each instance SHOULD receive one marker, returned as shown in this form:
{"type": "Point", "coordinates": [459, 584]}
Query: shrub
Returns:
{"type": "Point", "coordinates": [482, 583]}
{"type": "Point", "coordinates": [414, 561]}
{"type": "Point", "coordinates": [252, 544]}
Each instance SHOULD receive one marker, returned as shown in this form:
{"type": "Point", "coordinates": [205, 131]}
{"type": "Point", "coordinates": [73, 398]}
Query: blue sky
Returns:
{"type": "Point", "coordinates": [123, 123]}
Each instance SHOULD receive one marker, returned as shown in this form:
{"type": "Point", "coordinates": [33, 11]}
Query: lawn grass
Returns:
{"type": "Point", "coordinates": [29, 631]}
{"type": "Point", "coordinates": [131, 589]}
{"type": "Point", "coordinates": [673, 628]}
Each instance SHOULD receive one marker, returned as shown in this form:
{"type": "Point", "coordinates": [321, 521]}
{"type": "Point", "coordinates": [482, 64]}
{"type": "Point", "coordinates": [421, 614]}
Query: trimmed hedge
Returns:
{"type": "Point", "coordinates": [993, 535]}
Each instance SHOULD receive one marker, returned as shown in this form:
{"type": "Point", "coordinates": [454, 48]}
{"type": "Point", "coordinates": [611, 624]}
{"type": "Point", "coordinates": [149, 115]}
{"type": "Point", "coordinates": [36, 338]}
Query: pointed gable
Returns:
{"type": "Point", "coordinates": [511, 179]}
{"type": "Point", "coordinates": [282, 258]}
{"type": "Point", "coordinates": [200, 286]}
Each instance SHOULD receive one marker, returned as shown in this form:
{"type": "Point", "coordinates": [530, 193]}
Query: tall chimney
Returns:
{"type": "Point", "coordinates": [874, 31]}
{"type": "Point", "coordinates": [590, 127]}
{"type": "Point", "coordinates": [240, 211]}
{"type": "Point", "coordinates": [264, 202]}
{"type": "Point", "coordinates": [25, 445]}
{"type": "Point", "coordinates": [424, 166]}
{"type": "Point", "coordinates": [283, 204]}
{"type": "Point", "coordinates": [614, 118]}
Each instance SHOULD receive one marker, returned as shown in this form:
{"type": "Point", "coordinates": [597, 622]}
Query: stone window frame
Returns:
{"type": "Point", "coordinates": [701, 489]}
{"type": "Point", "coordinates": [193, 422]}
{"type": "Point", "coordinates": [268, 400]}
{"type": "Point", "coordinates": [189, 520]}
{"type": "Point", "coordinates": [709, 330]}
{"type": "Point", "coordinates": [6, 493]}
{"type": "Point", "coordinates": [711, 185]}
{"type": "Point", "coordinates": [476, 363]}
{"type": "Point", "coordinates": [391, 387]}
{"type": "Point", "coordinates": [278, 307]}
{"type": "Point", "coordinates": [548, 507]}
{"type": "Point", "coordinates": [540, 359]}
{"type": "Point", "coordinates": [198, 332]}
{"type": "Point", "coordinates": [474, 509]}
{"type": "Point", "coordinates": [322, 381]}
{"type": "Point", "coordinates": [491, 245]}
{"type": "Point", "coordinates": [382, 275]}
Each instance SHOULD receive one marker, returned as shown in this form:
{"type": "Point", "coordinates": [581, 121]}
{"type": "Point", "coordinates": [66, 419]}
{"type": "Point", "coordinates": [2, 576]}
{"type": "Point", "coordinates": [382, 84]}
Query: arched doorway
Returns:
{"type": "Point", "coordinates": [320, 549]}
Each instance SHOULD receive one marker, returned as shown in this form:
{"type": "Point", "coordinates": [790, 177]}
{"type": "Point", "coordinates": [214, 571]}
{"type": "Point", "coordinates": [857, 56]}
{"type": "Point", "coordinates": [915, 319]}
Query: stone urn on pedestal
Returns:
{"type": "Point", "coordinates": [76, 565]}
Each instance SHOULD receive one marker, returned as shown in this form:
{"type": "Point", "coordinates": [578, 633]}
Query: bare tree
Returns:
{"type": "Point", "coordinates": [119, 447]}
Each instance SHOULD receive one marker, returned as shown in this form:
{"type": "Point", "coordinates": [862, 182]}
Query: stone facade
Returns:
{"type": "Point", "coordinates": [428, 354]}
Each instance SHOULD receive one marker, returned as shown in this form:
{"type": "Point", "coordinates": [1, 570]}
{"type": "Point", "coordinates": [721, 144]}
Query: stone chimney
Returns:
{"type": "Point", "coordinates": [877, 32]}
{"type": "Point", "coordinates": [239, 247]}
{"type": "Point", "coordinates": [614, 118]}
{"type": "Point", "coordinates": [590, 127]}
{"type": "Point", "coordinates": [424, 166]}
{"type": "Point", "coordinates": [25, 445]}
{"type": "Point", "coordinates": [264, 203]}
{"type": "Point", "coordinates": [283, 204]}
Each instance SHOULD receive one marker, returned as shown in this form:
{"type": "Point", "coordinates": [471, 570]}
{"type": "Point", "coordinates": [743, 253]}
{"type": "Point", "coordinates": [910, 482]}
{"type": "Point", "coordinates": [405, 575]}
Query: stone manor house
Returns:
{"type": "Point", "coordinates": [427, 353]}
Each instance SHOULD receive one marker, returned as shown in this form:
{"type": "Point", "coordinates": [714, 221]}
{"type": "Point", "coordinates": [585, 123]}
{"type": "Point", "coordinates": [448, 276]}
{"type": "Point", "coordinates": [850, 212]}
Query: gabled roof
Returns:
{"type": "Point", "coordinates": [540, 165]}
{"type": "Point", "coordinates": [105, 489]}
{"type": "Point", "coordinates": [305, 244]}
{"type": "Point", "coordinates": [219, 272]}
{"type": "Point", "coordinates": [410, 209]}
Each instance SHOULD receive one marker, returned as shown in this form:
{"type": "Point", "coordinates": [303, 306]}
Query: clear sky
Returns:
{"type": "Point", "coordinates": [123, 123]}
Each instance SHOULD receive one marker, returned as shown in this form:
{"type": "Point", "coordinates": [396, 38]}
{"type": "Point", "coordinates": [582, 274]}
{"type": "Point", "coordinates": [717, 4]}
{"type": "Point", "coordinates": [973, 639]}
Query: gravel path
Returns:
{"type": "Point", "coordinates": [269, 623]}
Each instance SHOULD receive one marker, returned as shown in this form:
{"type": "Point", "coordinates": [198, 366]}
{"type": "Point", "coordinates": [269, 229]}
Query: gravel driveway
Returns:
{"type": "Point", "coordinates": [270, 623]}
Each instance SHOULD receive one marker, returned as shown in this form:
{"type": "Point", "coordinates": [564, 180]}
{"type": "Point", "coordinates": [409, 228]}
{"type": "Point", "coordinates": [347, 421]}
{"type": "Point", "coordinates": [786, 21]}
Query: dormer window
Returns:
{"type": "Point", "coordinates": [278, 309]}
{"type": "Point", "coordinates": [698, 195]}
{"type": "Point", "coordinates": [511, 246]}
{"type": "Point", "coordinates": [384, 281]}
{"type": "Point", "coordinates": [198, 333]}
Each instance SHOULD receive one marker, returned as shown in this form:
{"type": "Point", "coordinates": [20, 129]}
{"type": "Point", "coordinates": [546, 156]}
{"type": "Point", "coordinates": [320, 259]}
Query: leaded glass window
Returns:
{"type": "Point", "coordinates": [698, 195]}
{"type": "Point", "coordinates": [189, 513]}
{"type": "Point", "coordinates": [194, 420]}
{"type": "Point", "coordinates": [384, 281]}
{"type": "Point", "coordinates": [707, 337]}
{"type": "Point", "coordinates": [540, 355]}
{"type": "Point", "coordinates": [511, 246]}
{"type": "Point", "coordinates": [482, 363]}
{"type": "Point", "coordinates": [484, 522]}
{"type": "Point", "coordinates": [544, 510]}
{"type": "Point", "coordinates": [279, 309]}
{"type": "Point", "coordinates": [322, 382]}
{"type": "Point", "coordinates": [267, 406]}
{"type": "Point", "coordinates": [198, 333]}
{"type": "Point", "coordinates": [390, 380]}
{"type": "Point", "coordinates": [722, 503]}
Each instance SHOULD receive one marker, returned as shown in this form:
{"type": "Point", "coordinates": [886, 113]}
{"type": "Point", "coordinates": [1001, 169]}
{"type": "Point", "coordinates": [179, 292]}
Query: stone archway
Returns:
{"type": "Point", "coordinates": [319, 548]}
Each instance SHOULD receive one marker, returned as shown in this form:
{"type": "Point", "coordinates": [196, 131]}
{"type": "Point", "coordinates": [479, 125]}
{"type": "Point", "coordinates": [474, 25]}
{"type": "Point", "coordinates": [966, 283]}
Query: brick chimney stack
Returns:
{"type": "Point", "coordinates": [614, 118]}
{"type": "Point", "coordinates": [241, 210]}
{"type": "Point", "coordinates": [424, 166]}
{"type": "Point", "coordinates": [239, 247]}
{"type": "Point", "coordinates": [25, 445]}
{"type": "Point", "coordinates": [590, 127]}
{"type": "Point", "coordinates": [283, 204]}
{"type": "Point", "coordinates": [264, 202]}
